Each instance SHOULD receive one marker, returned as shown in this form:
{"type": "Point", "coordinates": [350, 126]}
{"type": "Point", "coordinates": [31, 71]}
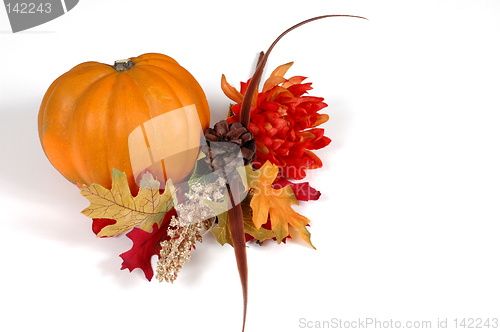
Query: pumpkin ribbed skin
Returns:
{"type": "Point", "coordinates": [88, 113]}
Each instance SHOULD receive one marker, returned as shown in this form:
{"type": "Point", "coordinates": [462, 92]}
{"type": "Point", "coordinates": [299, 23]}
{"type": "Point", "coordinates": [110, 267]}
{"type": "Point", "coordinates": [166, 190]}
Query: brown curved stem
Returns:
{"type": "Point", "coordinates": [261, 55]}
{"type": "Point", "coordinates": [235, 214]}
{"type": "Point", "coordinates": [238, 236]}
{"type": "Point", "coordinates": [246, 105]}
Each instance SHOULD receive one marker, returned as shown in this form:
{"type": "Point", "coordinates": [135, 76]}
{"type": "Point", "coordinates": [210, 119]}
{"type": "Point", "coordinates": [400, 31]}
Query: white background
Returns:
{"type": "Point", "coordinates": [407, 227]}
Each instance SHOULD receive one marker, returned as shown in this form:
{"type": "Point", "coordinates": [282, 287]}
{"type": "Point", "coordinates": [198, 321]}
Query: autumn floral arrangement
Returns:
{"type": "Point", "coordinates": [135, 139]}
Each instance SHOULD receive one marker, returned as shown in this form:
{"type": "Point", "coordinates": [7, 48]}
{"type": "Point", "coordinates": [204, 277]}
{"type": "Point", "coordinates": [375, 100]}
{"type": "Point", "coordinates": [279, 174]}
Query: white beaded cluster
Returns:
{"type": "Point", "coordinates": [184, 230]}
{"type": "Point", "coordinates": [177, 250]}
{"type": "Point", "coordinates": [195, 210]}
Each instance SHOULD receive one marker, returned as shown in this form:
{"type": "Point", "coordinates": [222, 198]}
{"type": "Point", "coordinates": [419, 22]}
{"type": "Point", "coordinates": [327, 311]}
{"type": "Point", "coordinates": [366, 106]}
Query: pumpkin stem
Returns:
{"type": "Point", "coordinates": [246, 104]}
{"type": "Point", "coordinates": [123, 65]}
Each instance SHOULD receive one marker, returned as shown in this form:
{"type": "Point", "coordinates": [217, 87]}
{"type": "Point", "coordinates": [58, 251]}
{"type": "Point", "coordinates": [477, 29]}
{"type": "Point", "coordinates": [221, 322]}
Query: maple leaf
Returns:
{"type": "Point", "coordinates": [303, 191]}
{"type": "Point", "coordinates": [145, 245]}
{"type": "Point", "coordinates": [98, 224]}
{"type": "Point", "coordinates": [222, 230]}
{"type": "Point", "coordinates": [276, 204]}
{"type": "Point", "coordinates": [144, 210]}
{"type": "Point", "coordinates": [264, 229]}
{"type": "Point", "coordinates": [260, 234]}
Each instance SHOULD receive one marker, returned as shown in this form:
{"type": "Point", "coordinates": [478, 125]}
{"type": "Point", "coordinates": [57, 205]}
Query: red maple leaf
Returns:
{"type": "Point", "coordinates": [100, 223]}
{"type": "Point", "coordinates": [303, 191]}
{"type": "Point", "coordinates": [145, 245]}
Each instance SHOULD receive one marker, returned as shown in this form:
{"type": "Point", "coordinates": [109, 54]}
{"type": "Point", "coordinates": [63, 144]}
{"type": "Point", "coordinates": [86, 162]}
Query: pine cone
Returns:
{"type": "Point", "coordinates": [224, 143]}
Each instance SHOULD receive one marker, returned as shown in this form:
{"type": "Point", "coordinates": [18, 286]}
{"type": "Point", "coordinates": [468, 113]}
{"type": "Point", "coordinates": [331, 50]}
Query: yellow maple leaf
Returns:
{"type": "Point", "coordinates": [276, 203]}
{"type": "Point", "coordinates": [144, 210]}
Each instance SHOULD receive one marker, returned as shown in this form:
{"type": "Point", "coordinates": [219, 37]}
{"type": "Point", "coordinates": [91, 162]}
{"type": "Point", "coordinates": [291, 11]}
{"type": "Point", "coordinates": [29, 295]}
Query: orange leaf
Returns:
{"type": "Point", "coordinates": [276, 203]}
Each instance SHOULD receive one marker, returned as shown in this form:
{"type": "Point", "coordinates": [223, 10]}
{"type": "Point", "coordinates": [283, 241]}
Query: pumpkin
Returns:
{"type": "Point", "coordinates": [135, 114]}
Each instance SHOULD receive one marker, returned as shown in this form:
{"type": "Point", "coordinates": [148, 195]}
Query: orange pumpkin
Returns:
{"type": "Point", "coordinates": [89, 114]}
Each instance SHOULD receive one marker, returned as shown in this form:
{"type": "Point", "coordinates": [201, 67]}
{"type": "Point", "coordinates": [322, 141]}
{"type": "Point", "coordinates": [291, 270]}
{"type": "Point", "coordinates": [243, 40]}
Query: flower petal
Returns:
{"type": "Point", "coordinates": [317, 162]}
{"type": "Point", "coordinates": [271, 82]}
{"type": "Point", "coordinates": [293, 80]}
{"type": "Point", "coordinates": [230, 91]}
{"type": "Point", "coordinates": [299, 89]}
{"type": "Point", "coordinates": [322, 118]}
{"type": "Point", "coordinates": [306, 136]}
{"type": "Point", "coordinates": [281, 70]}
{"type": "Point", "coordinates": [261, 148]}
{"type": "Point", "coordinates": [278, 93]}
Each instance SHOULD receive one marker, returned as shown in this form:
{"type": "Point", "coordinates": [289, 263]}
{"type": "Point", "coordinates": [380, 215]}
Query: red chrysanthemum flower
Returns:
{"type": "Point", "coordinates": [283, 122]}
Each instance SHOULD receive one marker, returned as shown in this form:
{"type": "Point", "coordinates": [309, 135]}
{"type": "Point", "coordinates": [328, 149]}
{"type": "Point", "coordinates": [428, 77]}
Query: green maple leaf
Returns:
{"type": "Point", "coordinates": [222, 231]}
{"type": "Point", "coordinates": [144, 210]}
